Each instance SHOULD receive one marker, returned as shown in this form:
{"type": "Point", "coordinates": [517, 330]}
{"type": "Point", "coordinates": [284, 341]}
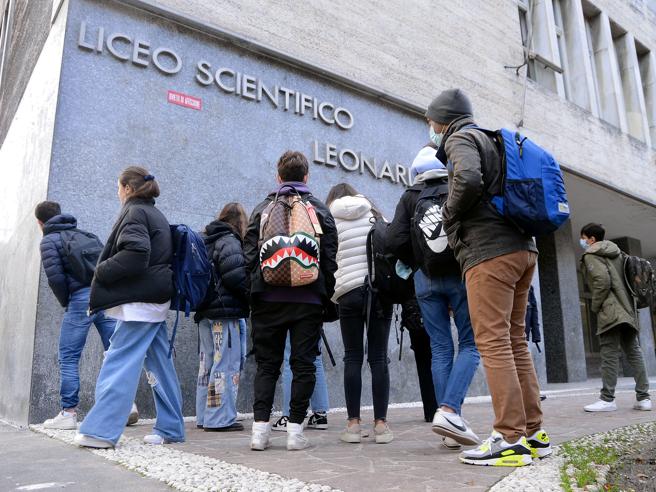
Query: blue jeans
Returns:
{"type": "Point", "coordinates": [72, 338]}
{"type": "Point", "coordinates": [136, 344]}
{"type": "Point", "coordinates": [319, 400]}
{"type": "Point", "coordinates": [450, 378]}
{"type": "Point", "coordinates": [218, 373]}
{"type": "Point", "coordinates": [243, 340]}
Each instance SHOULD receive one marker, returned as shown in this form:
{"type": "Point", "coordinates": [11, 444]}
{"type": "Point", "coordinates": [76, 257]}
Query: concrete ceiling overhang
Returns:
{"type": "Point", "coordinates": [620, 213]}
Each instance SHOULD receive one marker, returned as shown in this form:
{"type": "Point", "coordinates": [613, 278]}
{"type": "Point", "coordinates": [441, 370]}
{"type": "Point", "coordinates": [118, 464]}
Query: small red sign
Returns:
{"type": "Point", "coordinates": [185, 100]}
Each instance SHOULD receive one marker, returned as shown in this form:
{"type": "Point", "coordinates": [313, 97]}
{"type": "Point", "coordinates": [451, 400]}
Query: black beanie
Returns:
{"type": "Point", "coordinates": [449, 105]}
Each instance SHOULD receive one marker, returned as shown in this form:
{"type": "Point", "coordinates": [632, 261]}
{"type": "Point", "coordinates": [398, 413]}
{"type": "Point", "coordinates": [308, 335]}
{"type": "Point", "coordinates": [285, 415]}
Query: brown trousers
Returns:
{"type": "Point", "coordinates": [497, 291]}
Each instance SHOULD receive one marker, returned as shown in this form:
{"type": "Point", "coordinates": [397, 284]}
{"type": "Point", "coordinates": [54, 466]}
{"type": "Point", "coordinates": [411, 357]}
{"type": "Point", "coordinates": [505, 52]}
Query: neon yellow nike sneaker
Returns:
{"type": "Point", "coordinates": [540, 444]}
{"type": "Point", "coordinates": [496, 451]}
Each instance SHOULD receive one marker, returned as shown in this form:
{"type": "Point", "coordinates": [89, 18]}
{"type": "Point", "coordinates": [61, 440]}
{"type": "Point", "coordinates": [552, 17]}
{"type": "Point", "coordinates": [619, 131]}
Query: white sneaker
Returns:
{"type": "Point", "coordinates": [352, 434]}
{"type": "Point", "coordinates": [63, 421]}
{"type": "Point", "coordinates": [451, 444]}
{"type": "Point", "coordinates": [91, 442]}
{"type": "Point", "coordinates": [155, 439]}
{"type": "Point", "coordinates": [644, 405]}
{"type": "Point", "coordinates": [280, 425]}
{"type": "Point", "coordinates": [382, 433]}
{"type": "Point", "coordinates": [601, 406]}
{"type": "Point", "coordinates": [134, 415]}
{"type": "Point", "coordinates": [260, 436]}
{"type": "Point", "coordinates": [454, 426]}
{"type": "Point", "coordinates": [295, 438]}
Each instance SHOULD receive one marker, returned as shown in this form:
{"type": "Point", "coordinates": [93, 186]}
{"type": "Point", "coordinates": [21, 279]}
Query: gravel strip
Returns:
{"type": "Point", "coordinates": [544, 475]}
{"type": "Point", "coordinates": [187, 471]}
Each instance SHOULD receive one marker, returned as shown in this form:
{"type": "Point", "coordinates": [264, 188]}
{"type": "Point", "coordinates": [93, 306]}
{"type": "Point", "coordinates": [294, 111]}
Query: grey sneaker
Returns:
{"type": "Point", "coordinates": [496, 451]}
{"type": "Point", "coordinates": [352, 434]}
{"type": "Point", "coordinates": [383, 433]}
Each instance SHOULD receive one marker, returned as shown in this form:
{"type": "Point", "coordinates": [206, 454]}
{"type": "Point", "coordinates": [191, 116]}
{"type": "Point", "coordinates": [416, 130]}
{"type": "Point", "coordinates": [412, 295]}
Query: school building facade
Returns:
{"type": "Point", "coordinates": [208, 94]}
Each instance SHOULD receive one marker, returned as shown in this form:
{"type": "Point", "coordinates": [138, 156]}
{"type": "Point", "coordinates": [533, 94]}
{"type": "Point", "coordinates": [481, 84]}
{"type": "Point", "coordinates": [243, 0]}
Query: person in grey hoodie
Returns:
{"type": "Point", "coordinates": [617, 327]}
{"type": "Point", "coordinates": [498, 262]}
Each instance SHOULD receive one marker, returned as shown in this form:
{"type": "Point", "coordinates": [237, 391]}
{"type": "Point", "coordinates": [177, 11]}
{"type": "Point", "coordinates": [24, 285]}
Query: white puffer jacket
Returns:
{"type": "Point", "coordinates": [353, 219]}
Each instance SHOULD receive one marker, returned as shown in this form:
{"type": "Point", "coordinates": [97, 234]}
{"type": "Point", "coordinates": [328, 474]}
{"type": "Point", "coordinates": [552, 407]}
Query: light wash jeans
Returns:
{"type": "Point", "coordinates": [319, 400]}
{"type": "Point", "coordinates": [220, 358]}
{"type": "Point", "coordinates": [132, 342]}
{"type": "Point", "coordinates": [451, 378]}
{"type": "Point", "coordinates": [72, 338]}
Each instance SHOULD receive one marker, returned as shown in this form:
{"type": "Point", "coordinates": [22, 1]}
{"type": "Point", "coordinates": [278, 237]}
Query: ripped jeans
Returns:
{"type": "Point", "coordinates": [134, 345]}
{"type": "Point", "coordinates": [218, 373]}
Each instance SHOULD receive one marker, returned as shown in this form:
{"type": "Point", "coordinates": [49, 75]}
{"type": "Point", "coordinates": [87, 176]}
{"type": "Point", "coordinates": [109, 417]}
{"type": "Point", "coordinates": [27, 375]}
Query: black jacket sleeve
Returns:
{"type": "Point", "coordinates": [328, 246]}
{"type": "Point", "coordinates": [399, 239]}
{"type": "Point", "coordinates": [231, 266]}
{"type": "Point", "coordinates": [252, 238]}
{"type": "Point", "coordinates": [133, 250]}
{"type": "Point", "coordinates": [53, 265]}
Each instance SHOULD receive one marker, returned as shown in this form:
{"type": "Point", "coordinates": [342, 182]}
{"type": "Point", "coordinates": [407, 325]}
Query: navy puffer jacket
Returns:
{"type": "Point", "coordinates": [55, 263]}
{"type": "Point", "coordinates": [228, 299]}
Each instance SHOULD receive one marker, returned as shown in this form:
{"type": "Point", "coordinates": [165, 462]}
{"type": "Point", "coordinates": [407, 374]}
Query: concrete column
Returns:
{"type": "Point", "coordinates": [561, 313]}
{"type": "Point", "coordinates": [581, 75]}
{"type": "Point", "coordinates": [648, 76]}
{"type": "Point", "coordinates": [611, 98]}
{"type": "Point", "coordinates": [634, 100]}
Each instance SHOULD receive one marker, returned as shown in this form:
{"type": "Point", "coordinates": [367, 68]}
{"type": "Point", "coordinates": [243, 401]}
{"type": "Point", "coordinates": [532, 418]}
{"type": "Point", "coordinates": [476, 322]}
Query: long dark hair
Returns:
{"type": "Point", "coordinates": [341, 190]}
{"type": "Point", "coordinates": [235, 216]}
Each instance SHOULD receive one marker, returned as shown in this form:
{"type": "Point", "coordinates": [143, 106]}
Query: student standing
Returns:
{"type": "Point", "coordinates": [218, 319]}
{"type": "Point", "coordinates": [439, 288]}
{"type": "Point", "coordinates": [291, 239]}
{"type": "Point", "coordinates": [354, 215]}
{"type": "Point", "coordinates": [73, 295]}
{"type": "Point", "coordinates": [133, 283]}
{"type": "Point", "coordinates": [603, 270]}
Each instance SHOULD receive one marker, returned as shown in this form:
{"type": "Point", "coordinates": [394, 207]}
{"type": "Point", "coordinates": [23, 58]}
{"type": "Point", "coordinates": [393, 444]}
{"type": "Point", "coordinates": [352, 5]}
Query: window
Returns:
{"type": "Point", "coordinates": [4, 37]}
{"type": "Point", "coordinates": [647, 64]}
{"type": "Point", "coordinates": [593, 63]}
{"type": "Point", "coordinates": [562, 46]}
{"type": "Point", "coordinates": [525, 28]}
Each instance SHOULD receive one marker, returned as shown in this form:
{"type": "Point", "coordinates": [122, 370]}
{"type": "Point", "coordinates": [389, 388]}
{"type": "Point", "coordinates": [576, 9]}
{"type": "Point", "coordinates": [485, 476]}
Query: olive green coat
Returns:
{"type": "Point", "coordinates": [603, 267]}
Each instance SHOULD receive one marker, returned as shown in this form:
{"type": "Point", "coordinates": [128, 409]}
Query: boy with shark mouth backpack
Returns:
{"type": "Point", "coordinates": [290, 248]}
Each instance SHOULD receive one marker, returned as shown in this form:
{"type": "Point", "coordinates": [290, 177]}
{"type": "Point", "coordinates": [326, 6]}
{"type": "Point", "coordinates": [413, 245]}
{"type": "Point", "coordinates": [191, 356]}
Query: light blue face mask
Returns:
{"type": "Point", "coordinates": [436, 138]}
{"type": "Point", "coordinates": [584, 244]}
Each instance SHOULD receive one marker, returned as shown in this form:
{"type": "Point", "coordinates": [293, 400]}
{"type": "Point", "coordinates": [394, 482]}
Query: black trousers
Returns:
{"type": "Point", "coordinates": [420, 344]}
{"type": "Point", "coordinates": [352, 323]}
{"type": "Point", "coordinates": [271, 321]}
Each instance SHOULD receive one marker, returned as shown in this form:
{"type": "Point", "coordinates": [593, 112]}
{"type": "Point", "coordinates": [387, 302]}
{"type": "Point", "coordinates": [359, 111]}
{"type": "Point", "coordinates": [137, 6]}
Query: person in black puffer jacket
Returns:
{"type": "Point", "coordinates": [134, 284]}
{"type": "Point", "coordinates": [220, 327]}
{"type": "Point", "coordinates": [72, 294]}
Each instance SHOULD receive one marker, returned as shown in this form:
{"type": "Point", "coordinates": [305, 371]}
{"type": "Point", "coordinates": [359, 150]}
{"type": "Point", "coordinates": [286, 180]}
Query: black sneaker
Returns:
{"type": "Point", "coordinates": [318, 420]}
{"type": "Point", "coordinates": [234, 427]}
{"type": "Point", "coordinates": [281, 424]}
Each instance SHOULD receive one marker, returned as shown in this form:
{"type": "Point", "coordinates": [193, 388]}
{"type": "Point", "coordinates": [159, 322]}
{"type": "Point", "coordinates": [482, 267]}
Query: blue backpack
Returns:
{"type": "Point", "coordinates": [192, 271]}
{"type": "Point", "coordinates": [533, 195]}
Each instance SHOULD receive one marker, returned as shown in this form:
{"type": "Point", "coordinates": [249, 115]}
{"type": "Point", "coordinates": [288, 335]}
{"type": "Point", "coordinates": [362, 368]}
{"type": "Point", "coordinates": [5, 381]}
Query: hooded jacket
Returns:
{"type": "Point", "coordinates": [55, 263]}
{"type": "Point", "coordinates": [476, 231]}
{"type": "Point", "coordinates": [401, 240]}
{"type": "Point", "coordinates": [324, 288]}
{"type": "Point", "coordinates": [228, 297]}
{"type": "Point", "coordinates": [603, 267]}
{"type": "Point", "coordinates": [135, 265]}
{"type": "Point", "coordinates": [353, 218]}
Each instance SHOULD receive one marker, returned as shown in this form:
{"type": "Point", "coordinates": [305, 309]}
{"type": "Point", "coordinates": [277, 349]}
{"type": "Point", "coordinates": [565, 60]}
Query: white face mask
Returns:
{"type": "Point", "coordinates": [584, 244]}
{"type": "Point", "coordinates": [436, 138]}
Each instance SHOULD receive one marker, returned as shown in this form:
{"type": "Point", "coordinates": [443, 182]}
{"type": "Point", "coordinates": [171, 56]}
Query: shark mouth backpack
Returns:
{"type": "Point", "coordinates": [289, 242]}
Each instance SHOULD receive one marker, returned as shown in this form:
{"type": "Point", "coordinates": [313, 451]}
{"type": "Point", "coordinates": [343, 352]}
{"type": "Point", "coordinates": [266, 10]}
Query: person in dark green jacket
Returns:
{"type": "Point", "coordinates": [617, 319]}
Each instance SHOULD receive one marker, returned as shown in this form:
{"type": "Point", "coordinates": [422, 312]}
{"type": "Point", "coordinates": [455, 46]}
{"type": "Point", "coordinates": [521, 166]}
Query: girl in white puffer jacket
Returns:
{"type": "Point", "coordinates": [354, 216]}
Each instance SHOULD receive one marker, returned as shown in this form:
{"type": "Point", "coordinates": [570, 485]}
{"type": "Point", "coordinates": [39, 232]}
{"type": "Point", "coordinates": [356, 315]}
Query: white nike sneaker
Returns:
{"type": "Point", "coordinates": [295, 438]}
{"type": "Point", "coordinates": [63, 421]}
{"type": "Point", "coordinates": [454, 426]}
{"type": "Point", "coordinates": [601, 406]}
{"type": "Point", "coordinates": [644, 405]}
{"type": "Point", "coordinates": [260, 436]}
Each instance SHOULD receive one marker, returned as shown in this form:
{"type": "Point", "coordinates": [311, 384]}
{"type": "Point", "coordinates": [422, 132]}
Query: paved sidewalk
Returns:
{"type": "Point", "coordinates": [415, 461]}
